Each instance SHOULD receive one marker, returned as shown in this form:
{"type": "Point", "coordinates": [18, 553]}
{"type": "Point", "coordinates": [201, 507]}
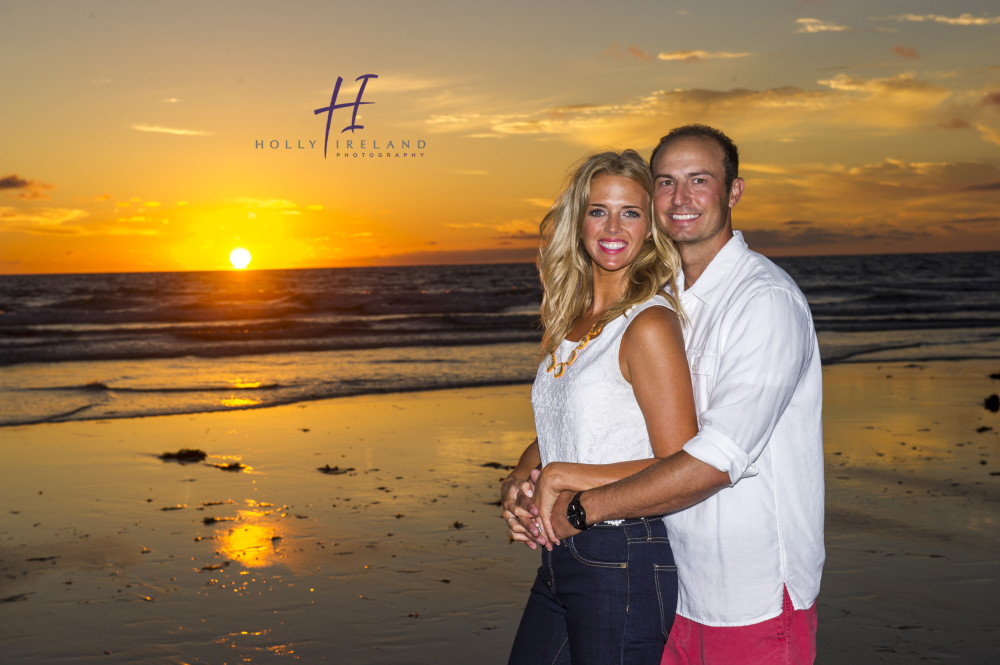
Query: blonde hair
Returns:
{"type": "Point", "coordinates": [565, 267]}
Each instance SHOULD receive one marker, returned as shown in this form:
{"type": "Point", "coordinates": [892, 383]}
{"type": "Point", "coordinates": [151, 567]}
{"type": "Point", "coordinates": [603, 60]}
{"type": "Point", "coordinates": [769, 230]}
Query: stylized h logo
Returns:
{"type": "Point", "coordinates": [334, 106]}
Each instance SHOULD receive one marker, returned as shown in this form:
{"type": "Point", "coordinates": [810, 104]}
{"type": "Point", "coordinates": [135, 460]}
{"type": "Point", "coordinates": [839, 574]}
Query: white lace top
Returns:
{"type": "Point", "coordinates": [589, 414]}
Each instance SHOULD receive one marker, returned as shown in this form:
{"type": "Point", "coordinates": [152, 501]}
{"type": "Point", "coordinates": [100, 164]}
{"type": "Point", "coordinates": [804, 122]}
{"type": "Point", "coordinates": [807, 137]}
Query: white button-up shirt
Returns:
{"type": "Point", "coordinates": [757, 380]}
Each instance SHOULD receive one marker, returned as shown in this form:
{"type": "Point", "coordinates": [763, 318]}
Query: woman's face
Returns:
{"type": "Point", "coordinates": [616, 222]}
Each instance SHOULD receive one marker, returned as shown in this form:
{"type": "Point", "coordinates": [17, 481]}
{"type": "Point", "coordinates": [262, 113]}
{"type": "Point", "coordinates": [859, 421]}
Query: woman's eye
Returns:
{"type": "Point", "coordinates": [595, 212]}
{"type": "Point", "coordinates": [633, 213]}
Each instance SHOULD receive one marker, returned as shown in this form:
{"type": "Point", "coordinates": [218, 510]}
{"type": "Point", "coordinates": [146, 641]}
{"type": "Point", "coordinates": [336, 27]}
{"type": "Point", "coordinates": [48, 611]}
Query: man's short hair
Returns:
{"type": "Point", "coordinates": [730, 153]}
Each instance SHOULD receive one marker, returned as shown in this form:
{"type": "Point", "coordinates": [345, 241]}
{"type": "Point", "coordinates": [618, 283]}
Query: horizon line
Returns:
{"type": "Point", "coordinates": [457, 263]}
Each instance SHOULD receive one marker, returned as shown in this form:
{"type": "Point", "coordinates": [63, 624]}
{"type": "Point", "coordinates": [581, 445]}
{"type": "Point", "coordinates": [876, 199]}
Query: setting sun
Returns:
{"type": "Point", "coordinates": [240, 258]}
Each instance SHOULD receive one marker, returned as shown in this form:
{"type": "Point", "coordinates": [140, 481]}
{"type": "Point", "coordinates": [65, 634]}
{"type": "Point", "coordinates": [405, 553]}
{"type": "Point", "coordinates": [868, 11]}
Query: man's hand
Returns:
{"type": "Point", "coordinates": [559, 527]}
{"type": "Point", "coordinates": [552, 502]}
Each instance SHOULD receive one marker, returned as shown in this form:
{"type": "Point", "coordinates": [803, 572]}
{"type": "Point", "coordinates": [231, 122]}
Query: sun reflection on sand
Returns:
{"type": "Point", "coordinates": [253, 542]}
{"type": "Point", "coordinates": [246, 384]}
{"type": "Point", "coordinates": [233, 401]}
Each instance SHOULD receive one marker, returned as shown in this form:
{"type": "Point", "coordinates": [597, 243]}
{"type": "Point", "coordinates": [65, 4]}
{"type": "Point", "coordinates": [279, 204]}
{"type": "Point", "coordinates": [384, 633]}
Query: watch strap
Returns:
{"type": "Point", "coordinates": [575, 514]}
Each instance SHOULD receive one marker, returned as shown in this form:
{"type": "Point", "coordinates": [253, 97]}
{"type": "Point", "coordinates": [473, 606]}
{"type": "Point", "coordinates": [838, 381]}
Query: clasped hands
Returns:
{"type": "Point", "coordinates": [535, 508]}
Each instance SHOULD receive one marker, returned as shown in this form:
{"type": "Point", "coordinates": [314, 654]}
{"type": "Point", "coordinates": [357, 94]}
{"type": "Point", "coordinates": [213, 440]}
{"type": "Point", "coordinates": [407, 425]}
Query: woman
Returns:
{"type": "Point", "coordinates": [611, 396]}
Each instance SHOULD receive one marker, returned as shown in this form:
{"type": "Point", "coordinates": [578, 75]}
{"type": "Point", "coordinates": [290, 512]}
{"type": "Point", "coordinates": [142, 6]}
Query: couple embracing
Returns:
{"type": "Point", "coordinates": [676, 485]}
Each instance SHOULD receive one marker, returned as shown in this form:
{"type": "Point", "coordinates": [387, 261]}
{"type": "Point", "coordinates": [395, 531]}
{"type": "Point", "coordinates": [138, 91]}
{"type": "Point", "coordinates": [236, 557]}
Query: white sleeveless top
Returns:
{"type": "Point", "coordinates": [589, 414]}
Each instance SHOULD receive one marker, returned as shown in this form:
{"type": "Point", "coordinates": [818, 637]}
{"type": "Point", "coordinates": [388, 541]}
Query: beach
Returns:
{"type": "Point", "coordinates": [365, 529]}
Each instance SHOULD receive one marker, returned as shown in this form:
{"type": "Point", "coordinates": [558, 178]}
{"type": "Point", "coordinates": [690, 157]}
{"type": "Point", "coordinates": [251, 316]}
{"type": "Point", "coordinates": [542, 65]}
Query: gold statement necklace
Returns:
{"type": "Point", "coordinates": [558, 368]}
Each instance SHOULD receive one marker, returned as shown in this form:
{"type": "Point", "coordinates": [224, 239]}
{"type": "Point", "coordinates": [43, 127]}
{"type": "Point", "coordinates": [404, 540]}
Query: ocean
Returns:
{"type": "Point", "coordinates": [96, 346]}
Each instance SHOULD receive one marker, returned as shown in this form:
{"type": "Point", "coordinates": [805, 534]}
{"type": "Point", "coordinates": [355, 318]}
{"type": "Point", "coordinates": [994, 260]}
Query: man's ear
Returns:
{"type": "Point", "coordinates": [736, 192]}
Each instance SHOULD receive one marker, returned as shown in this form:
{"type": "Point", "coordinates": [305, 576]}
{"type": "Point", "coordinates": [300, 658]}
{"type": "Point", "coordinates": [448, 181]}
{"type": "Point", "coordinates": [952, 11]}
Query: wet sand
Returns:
{"type": "Point", "coordinates": [109, 554]}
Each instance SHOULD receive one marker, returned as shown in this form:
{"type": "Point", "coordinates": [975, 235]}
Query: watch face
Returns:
{"type": "Point", "coordinates": [575, 514]}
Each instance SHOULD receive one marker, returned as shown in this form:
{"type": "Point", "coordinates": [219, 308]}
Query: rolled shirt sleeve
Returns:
{"type": "Point", "coordinates": [767, 348]}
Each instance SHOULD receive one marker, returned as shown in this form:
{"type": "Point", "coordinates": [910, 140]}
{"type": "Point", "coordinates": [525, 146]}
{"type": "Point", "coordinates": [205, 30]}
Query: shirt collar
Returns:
{"type": "Point", "coordinates": [717, 269]}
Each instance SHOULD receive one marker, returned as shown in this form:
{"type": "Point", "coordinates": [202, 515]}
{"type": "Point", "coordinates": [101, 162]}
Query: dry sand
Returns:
{"type": "Point", "coordinates": [106, 556]}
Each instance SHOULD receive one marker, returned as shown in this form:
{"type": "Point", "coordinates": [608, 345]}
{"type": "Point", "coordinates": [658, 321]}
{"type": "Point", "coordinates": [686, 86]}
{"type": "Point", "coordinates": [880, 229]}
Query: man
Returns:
{"type": "Point", "coordinates": [744, 498]}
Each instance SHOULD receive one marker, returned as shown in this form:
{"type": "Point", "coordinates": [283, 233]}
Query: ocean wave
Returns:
{"type": "Point", "coordinates": [101, 386]}
{"type": "Point", "coordinates": [101, 346]}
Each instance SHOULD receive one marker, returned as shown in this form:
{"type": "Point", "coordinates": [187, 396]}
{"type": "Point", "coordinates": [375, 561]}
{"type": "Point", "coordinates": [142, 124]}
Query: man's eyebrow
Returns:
{"type": "Point", "coordinates": [692, 174]}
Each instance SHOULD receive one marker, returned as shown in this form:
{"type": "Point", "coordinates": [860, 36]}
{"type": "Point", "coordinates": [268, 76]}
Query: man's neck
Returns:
{"type": "Point", "coordinates": [695, 257]}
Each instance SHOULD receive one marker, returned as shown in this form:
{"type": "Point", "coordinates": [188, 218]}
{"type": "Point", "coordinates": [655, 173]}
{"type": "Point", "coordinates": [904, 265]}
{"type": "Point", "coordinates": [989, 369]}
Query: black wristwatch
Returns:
{"type": "Point", "coordinates": [575, 514]}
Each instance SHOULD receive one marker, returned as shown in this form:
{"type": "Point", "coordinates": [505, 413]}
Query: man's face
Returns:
{"type": "Point", "coordinates": [691, 202]}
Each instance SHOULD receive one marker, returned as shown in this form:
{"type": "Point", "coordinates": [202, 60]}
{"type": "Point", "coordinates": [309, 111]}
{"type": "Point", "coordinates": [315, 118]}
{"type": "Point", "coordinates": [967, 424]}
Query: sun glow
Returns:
{"type": "Point", "coordinates": [240, 258]}
{"type": "Point", "coordinates": [253, 542]}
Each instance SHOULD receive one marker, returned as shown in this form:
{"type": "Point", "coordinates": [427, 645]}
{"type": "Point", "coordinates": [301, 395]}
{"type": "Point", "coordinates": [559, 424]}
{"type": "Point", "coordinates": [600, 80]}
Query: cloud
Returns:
{"type": "Point", "coordinates": [900, 82]}
{"type": "Point", "coordinates": [541, 203]}
{"type": "Point", "coordinates": [891, 103]}
{"type": "Point", "coordinates": [454, 119]}
{"type": "Point", "coordinates": [873, 207]}
{"type": "Point", "coordinates": [47, 221]}
{"type": "Point", "coordinates": [955, 123]}
{"type": "Point", "coordinates": [964, 19]}
{"type": "Point", "coordinates": [633, 122]}
{"type": "Point", "coordinates": [168, 130]}
{"type": "Point", "coordinates": [518, 229]}
{"type": "Point", "coordinates": [906, 52]}
{"type": "Point", "coordinates": [890, 106]}
{"type": "Point", "coordinates": [615, 51]}
{"type": "Point", "coordinates": [685, 56]}
{"type": "Point", "coordinates": [23, 188]}
{"type": "Point", "coordinates": [12, 181]}
{"type": "Point", "coordinates": [445, 257]}
{"type": "Point", "coordinates": [801, 234]}
{"type": "Point", "coordinates": [396, 83]}
{"type": "Point", "coordinates": [519, 236]}
{"type": "Point", "coordinates": [993, 99]}
{"type": "Point", "coordinates": [817, 25]}
{"type": "Point", "coordinates": [266, 204]}
{"type": "Point", "coordinates": [772, 169]}
{"type": "Point", "coordinates": [991, 134]}
{"type": "Point", "coordinates": [637, 52]}
{"type": "Point", "coordinates": [977, 220]}
{"type": "Point", "coordinates": [985, 187]}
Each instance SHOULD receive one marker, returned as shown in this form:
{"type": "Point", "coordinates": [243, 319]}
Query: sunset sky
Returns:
{"type": "Point", "coordinates": [130, 132]}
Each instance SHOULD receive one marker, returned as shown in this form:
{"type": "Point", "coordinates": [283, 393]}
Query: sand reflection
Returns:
{"type": "Point", "coordinates": [254, 541]}
{"type": "Point", "coordinates": [236, 402]}
{"type": "Point", "coordinates": [239, 383]}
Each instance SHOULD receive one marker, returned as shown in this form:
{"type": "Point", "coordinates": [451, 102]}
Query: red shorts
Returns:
{"type": "Point", "coordinates": [787, 639]}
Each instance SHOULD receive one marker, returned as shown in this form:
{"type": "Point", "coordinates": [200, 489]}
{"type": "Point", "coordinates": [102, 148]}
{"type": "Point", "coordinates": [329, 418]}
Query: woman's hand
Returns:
{"type": "Point", "coordinates": [516, 492]}
{"type": "Point", "coordinates": [520, 512]}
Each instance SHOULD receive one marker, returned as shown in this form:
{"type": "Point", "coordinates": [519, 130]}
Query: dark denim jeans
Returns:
{"type": "Point", "coordinates": [606, 595]}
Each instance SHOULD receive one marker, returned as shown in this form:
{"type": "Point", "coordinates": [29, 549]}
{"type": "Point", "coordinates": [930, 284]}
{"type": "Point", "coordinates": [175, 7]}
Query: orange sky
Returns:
{"type": "Point", "coordinates": [130, 130]}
